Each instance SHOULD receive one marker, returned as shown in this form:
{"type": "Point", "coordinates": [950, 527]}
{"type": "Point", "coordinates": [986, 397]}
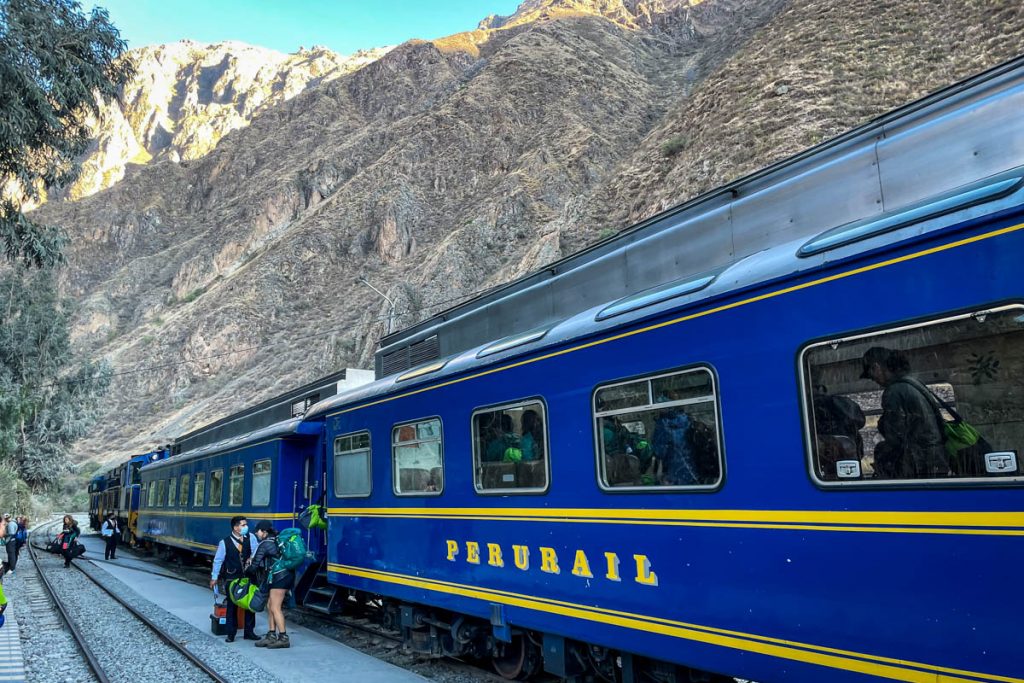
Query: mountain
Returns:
{"type": "Point", "coordinates": [186, 96]}
{"type": "Point", "coordinates": [447, 166]}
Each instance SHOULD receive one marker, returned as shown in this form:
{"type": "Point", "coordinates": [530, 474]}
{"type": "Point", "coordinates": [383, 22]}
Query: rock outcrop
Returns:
{"type": "Point", "coordinates": [186, 96]}
{"type": "Point", "coordinates": [448, 166]}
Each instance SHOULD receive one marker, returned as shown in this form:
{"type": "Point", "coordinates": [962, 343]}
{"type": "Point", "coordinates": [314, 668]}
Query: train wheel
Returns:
{"type": "Point", "coordinates": [518, 660]}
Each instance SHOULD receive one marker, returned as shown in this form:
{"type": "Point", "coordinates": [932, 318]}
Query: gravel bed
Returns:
{"type": "Point", "coordinates": [51, 654]}
{"type": "Point", "coordinates": [136, 653]}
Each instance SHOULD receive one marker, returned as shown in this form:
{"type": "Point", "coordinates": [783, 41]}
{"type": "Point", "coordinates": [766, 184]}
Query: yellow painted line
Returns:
{"type": "Point", "coordinates": [182, 541]}
{"type": "Point", "coordinates": [215, 515]}
{"type": "Point", "coordinates": [885, 667]}
{"type": "Point", "coordinates": [968, 523]}
{"type": "Point", "coordinates": [694, 316]}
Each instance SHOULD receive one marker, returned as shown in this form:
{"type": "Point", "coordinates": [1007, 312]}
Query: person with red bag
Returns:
{"type": "Point", "coordinates": [69, 539]}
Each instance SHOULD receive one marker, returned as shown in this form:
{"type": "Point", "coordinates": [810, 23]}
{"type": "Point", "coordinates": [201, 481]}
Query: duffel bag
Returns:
{"type": "Point", "coordinates": [244, 592]}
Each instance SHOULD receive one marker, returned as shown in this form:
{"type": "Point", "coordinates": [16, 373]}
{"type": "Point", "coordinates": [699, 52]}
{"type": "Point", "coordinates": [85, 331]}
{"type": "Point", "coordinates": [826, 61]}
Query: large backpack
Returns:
{"type": "Point", "coordinates": [293, 550]}
{"type": "Point", "coordinates": [313, 517]}
{"type": "Point", "coordinates": [247, 595]}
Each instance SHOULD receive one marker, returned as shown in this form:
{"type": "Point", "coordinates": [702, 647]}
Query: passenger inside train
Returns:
{"type": "Point", "coordinates": [510, 444]}
{"type": "Point", "coordinates": [922, 402]}
{"type": "Point", "coordinates": [659, 432]}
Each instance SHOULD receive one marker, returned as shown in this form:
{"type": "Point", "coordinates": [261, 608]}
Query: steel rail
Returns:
{"type": "Point", "coordinates": [90, 656]}
{"type": "Point", "coordinates": [158, 630]}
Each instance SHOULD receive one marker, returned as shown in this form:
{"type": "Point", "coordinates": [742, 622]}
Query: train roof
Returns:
{"type": "Point", "coordinates": [950, 139]}
{"type": "Point", "coordinates": [281, 429]}
{"type": "Point", "coordinates": [952, 156]}
{"type": "Point", "coordinates": [273, 411]}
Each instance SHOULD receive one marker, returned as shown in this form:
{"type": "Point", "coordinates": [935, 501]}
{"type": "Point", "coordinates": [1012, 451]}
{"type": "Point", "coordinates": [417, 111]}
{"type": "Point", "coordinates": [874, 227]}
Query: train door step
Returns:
{"type": "Point", "coordinates": [322, 599]}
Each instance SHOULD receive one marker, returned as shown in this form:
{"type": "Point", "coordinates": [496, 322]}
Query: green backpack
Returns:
{"type": "Point", "coordinates": [247, 595]}
{"type": "Point", "coordinates": [293, 550]}
{"type": "Point", "coordinates": [313, 517]}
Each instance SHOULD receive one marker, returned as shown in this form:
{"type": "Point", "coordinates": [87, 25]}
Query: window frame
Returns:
{"type": "Point", "coordinates": [547, 448]}
{"type": "Point", "coordinates": [241, 496]}
{"type": "Point", "coordinates": [896, 326]}
{"type": "Point", "coordinates": [394, 461]}
{"type": "Point", "coordinates": [599, 470]}
{"type": "Point", "coordinates": [199, 476]}
{"type": "Point", "coordinates": [172, 488]}
{"type": "Point", "coordinates": [220, 489]}
{"type": "Point", "coordinates": [161, 493]}
{"type": "Point", "coordinates": [252, 490]}
{"type": "Point", "coordinates": [369, 463]}
{"type": "Point", "coordinates": [185, 489]}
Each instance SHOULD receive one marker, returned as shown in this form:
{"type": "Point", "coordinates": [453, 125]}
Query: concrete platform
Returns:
{"type": "Point", "coordinates": [12, 663]}
{"type": "Point", "coordinates": [310, 657]}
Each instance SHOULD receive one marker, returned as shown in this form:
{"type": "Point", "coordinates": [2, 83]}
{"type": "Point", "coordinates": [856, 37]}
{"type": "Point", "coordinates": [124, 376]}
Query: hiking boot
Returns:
{"type": "Point", "coordinates": [267, 639]}
{"type": "Point", "coordinates": [280, 641]}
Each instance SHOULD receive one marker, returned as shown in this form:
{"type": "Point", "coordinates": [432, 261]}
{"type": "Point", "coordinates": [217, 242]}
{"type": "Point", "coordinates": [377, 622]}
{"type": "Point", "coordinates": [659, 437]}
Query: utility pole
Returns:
{"type": "Point", "coordinates": [391, 304]}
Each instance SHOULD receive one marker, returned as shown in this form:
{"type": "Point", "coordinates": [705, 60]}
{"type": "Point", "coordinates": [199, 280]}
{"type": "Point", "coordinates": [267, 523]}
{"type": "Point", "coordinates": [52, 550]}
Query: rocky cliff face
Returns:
{"type": "Point", "coordinates": [186, 96]}
{"type": "Point", "coordinates": [448, 166]}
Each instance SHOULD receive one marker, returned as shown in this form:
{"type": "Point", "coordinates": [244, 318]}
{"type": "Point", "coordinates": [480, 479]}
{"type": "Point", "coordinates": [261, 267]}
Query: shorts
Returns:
{"type": "Point", "coordinates": [284, 580]}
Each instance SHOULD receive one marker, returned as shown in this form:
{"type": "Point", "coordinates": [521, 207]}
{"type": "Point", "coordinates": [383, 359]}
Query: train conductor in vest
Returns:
{"type": "Point", "coordinates": [233, 554]}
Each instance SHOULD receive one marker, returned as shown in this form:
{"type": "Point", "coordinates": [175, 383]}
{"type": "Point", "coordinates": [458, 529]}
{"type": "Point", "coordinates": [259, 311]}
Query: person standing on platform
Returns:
{"type": "Point", "coordinates": [233, 555]}
{"type": "Point", "coordinates": [10, 542]}
{"type": "Point", "coordinates": [110, 532]}
{"type": "Point", "coordinates": [22, 534]}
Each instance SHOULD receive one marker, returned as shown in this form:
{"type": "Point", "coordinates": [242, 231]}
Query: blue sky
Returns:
{"type": "Point", "coordinates": [341, 25]}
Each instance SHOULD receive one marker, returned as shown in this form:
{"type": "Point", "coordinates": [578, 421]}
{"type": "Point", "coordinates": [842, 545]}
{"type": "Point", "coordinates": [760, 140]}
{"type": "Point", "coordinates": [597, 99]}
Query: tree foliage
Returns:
{"type": "Point", "coordinates": [56, 65]}
{"type": "Point", "coordinates": [44, 407]}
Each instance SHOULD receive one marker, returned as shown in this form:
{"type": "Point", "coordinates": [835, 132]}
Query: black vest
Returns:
{"type": "Point", "coordinates": [234, 560]}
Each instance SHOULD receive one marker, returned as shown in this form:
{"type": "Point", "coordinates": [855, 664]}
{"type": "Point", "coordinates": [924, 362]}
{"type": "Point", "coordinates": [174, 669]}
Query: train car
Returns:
{"type": "Point", "coordinates": [128, 480]}
{"type": "Point", "coordinates": [96, 486]}
{"type": "Point", "coordinates": [271, 474]}
{"type": "Point", "coordinates": [749, 469]}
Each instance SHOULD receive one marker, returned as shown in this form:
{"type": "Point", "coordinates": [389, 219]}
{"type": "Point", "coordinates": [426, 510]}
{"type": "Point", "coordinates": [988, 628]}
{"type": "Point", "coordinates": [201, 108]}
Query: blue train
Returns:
{"type": "Point", "coordinates": [775, 432]}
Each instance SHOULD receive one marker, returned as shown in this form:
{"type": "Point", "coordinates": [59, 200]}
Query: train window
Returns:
{"type": "Point", "coordinates": [216, 487]}
{"type": "Point", "coordinates": [172, 492]}
{"type": "Point", "coordinates": [152, 494]}
{"type": "Point", "coordinates": [261, 482]}
{"type": "Point", "coordinates": [199, 495]}
{"type": "Point", "coordinates": [659, 433]}
{"type": "Point", "coordinates": [161, 492]}
{"type": "Point", "coordinates": [184, 493]}
{"type": "Point", "coordinates": [935, 401]}
{"type": "Point", "coordinates": [417, 455]}
{"type": "Point", "coordinates": [352, 465]}
{"type": "Point", "coordinates": [510, 448]}
{"type": "Point", "coordinates": [236, 485]}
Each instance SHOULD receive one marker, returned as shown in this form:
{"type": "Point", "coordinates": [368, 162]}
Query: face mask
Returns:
{"type": "Point", "coordinates": [243, 530]}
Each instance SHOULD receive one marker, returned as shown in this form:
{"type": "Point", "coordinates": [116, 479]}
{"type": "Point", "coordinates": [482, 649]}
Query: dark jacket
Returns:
{"type": "Point", "coordinates": [672, 448]}
{"type": "Point", "coordinates": [913, 439]}
{"type": "Point", "coordinates": [263, 560]}
{"type": "Point", "coordinates": [234, 560]}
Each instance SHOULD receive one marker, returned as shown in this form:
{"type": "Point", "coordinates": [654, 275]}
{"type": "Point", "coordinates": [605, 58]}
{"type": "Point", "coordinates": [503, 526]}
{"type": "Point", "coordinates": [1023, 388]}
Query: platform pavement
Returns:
{"type": "Point", "coordinates": [303, 661]}
{"type": "Point", "coordinates": [12, 662]}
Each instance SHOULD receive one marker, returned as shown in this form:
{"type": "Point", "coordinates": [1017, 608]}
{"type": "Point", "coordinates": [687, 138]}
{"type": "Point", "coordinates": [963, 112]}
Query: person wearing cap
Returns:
{"type": "Point", "coordinates": [278, 584]}
{"type": "Point", "coordinates": [910, 426]}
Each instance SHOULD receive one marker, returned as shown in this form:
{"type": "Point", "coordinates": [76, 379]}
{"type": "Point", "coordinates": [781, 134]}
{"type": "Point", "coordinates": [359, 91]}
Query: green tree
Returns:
{"type": "Point", "coordinates": [56, 65]}
{"type": "Point", "coordinates": [44, 406]}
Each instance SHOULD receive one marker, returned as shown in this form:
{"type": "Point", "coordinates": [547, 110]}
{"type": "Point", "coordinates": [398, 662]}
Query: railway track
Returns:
{"type": "Point", "coordinates": [127, 619]}
{"type": "Point", "coordinates": [443, 669]}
